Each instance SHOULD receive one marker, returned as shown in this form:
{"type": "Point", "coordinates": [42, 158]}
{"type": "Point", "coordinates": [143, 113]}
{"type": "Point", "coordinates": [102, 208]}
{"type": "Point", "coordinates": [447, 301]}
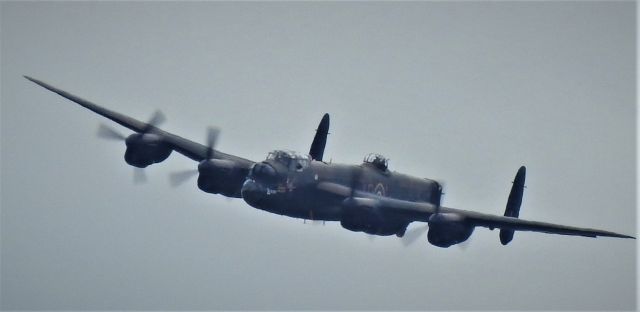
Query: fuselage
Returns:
{"type": "Point", "coordinates": [289, 186]}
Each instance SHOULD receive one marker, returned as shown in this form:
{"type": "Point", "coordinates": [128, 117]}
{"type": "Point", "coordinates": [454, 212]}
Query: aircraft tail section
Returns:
{"type": "Point", "coordinates": [320, 140]}
{"type": "Point", "coordinates": [513, 203]}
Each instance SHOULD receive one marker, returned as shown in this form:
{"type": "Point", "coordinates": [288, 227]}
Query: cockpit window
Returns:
{"type": "Point", "coordinates": [290, 159]}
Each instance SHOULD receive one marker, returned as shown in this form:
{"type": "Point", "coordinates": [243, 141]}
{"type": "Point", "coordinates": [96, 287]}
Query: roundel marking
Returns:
{"type": "Point", "coordinates": [379, 190]}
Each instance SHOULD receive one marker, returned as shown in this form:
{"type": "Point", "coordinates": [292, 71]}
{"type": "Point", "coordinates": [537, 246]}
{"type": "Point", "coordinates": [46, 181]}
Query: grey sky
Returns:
{"type": "Point", "coordinates": [464, 92]}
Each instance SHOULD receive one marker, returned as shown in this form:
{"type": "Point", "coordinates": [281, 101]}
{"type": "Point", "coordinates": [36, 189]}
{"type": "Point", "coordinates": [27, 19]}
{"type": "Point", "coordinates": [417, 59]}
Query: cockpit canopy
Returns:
{"type": "Point", "coordinates": [290, 159]}
{"type": "Point", "coordinates": [377, 161]}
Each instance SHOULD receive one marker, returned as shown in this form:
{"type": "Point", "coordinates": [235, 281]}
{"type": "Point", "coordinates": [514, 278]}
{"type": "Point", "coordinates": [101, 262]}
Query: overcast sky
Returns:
{"type": "Point", "coordinates": [464, 92]}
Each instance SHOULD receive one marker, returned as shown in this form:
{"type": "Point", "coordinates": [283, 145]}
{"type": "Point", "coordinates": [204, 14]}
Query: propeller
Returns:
{"type": "Point", "coordinates": [156, 119]}
{"type": "Point", "coordinates": [105, 132]}
{"type": "Point", "coordinates": [412, 235]}
{"type": "Point", "coordinates": [180, 177]}
{"type": "Point", "coordinates": [443, 185]}
{"type": "Point", "coordinates": [108, 133]}
{"type": "Point", "coordinates": [464, 245]}
{"type": "Point", "coordinates": [139, 176]}
{"type": "Point", "coordinates": [212, 139]}
{"type": "Point", "coordinates": [356, 173]}
{"type": "Point", "coordinates": [314, 222]}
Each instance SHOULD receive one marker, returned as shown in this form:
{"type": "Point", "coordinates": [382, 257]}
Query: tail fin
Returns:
{"type": "Point", "coordinates": [513, 203]}
{"type": "Point", "coordinates": [320, 140]}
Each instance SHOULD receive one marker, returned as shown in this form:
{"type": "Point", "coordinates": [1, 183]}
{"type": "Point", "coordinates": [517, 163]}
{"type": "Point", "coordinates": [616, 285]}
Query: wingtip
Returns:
{"type": "Point", "coordinates": [621, 236]}
{"type": "Point", "coordinates": [45, 85]}
{"type": "Point", "coordinates": [34, 80]}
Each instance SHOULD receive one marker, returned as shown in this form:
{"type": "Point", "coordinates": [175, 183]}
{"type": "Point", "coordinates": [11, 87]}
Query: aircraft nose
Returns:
{"type": "Point", "coordinates": [253, 192]}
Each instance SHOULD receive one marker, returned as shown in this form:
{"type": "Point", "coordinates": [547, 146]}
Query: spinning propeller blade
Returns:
{"type": "Point", "coordinates": [178, 178]}
{"type": "Point", "coordinates": [105, 132]}
{"type": "Point", "coordinates": [139, 176]}
{"type": "Point", "coordinates": [412, 235]}
{"type": "Point", "coordinates": [464, 245]}
{"type": "Point", "coordinates": [356, 173]}
{"type": "Point", "coordinates": [212, 138]}
{"type": "Point", "coordinates": [156, 119]}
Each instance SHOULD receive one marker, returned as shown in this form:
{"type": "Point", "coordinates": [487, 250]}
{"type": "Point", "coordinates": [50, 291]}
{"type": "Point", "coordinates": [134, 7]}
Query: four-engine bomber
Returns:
{"type": "Point", "coordinates": [367, 197]}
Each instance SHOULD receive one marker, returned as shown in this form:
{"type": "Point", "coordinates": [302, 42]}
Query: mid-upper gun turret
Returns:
{"type": "Point", "coordinates": [376, 160]}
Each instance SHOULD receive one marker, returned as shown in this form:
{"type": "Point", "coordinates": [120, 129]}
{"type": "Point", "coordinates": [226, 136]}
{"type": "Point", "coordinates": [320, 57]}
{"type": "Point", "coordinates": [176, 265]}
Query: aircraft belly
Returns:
{"type": "Point", "coordinates": [300, 205]}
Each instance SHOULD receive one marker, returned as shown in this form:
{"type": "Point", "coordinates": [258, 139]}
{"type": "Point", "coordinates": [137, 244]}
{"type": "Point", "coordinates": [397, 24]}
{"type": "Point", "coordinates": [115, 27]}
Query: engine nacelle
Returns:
{"type": "Point", "coordinates": [145, 149]}
{"type": "Point", "coordinates": [219, 176]}
{"type": "Point", "coordinates": [362, 215]}
{"type": "Point", "coordinates": [447, 229]}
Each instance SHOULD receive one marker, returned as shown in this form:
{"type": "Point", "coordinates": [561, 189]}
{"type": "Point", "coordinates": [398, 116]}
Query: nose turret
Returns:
{"type": "Point", "coordinates": [264, 173]}
{"type": "Point", "coordinates": [253, 192]}
{"type": "Point", "coordinates": [262, 179]}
